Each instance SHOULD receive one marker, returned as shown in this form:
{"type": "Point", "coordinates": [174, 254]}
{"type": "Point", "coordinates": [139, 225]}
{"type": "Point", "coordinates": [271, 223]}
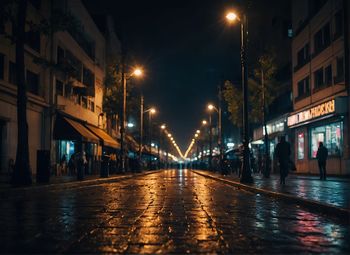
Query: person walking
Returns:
{"type": "Point", "coordinates": [322, 154]}
{"type": "Point", "coordinates": [282, 153]}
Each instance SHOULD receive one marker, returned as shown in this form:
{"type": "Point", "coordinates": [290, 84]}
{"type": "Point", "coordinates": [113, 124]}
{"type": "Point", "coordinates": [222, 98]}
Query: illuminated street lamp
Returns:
{"type": "Point", "coordinates": [218, 110]}
{"type": "Point", "coordinates": [162, 129]}
{"type": "Point", "coordinates": [137, 72]}
{"type": "Point", "coordinates": [231, 17]}
{"type": "Point", "coordinates": [150, 111]}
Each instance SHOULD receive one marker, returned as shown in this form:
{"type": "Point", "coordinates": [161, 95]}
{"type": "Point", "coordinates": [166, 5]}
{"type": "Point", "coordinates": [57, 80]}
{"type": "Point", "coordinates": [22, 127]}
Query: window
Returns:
{"type": "Point", "coordinates": [68, 91]}
{"type": "Point", "coordinates": [88, 78]}
{"type": "Point", "coordinates": [338, 24]}
{"type": "Point", "coordinates": [327, 35]}
{"type": "Point", "coordinates": [304, 87]}
{"type": "Point", "coordinates": [318, 76]}
{"type": "Point", "coordinates": [301, 147]}
{"type": "Point", "coordinates": [59, 88]}
{"type": "Point", "coordinates": [304, 55]}
{"type": "Point", "coordinates": [2, 65]}
{"type": "Point", "coordinates": [322, 38]}
{"type": "Point", "coordinates": [84, 102]}
{"type": "Point", "coordinates": [340, 67]}
{"type": "Point", "coordinates": [12, 73]}
{"type": "Point", "coordinates": [332, 137]}
{"type": "Point", "coordinates": [60, 55]}
{"type": "Point", "coordinates": [75, 65]}
{"type": "Point", "coordinates": [328, 75]}
{"type": "Point", "coordinates": [91, 105]}
{"type": "Point", "coordinates": [32, 39]}
{"type": "Point", "coordinates": [33, 82]}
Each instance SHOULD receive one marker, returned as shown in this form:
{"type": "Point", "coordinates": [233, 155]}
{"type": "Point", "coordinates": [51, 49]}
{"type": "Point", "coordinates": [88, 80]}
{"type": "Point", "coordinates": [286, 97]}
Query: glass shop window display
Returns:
{"type": "Point", "coordinates": [332, 137]}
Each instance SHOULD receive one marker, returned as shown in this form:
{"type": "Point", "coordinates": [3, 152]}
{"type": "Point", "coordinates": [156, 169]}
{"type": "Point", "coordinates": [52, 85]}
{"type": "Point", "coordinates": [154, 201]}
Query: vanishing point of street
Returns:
{"type": "Point", "coordinates": [170, 211]}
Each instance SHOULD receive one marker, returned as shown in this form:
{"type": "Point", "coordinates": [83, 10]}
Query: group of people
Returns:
{"type": "Point", "coordinates": [282, 154]}
{"type": "Point", "coordinates": [77, 160]}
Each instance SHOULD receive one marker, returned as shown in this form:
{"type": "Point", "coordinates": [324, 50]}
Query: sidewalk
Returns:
{"type": "Point", "coordinates": [333, 193]}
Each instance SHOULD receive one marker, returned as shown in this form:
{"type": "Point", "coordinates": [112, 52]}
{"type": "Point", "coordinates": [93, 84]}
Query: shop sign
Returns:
{"type": "Point", "coordinates": [312, 113]}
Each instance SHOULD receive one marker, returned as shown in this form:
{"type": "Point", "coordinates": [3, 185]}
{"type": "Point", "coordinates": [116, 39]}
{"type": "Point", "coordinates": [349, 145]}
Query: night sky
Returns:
{"type": "Point", "coordinates": [186, 49]}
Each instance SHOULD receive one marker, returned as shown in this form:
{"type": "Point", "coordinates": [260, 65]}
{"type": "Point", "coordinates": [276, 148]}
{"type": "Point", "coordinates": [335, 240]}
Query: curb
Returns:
{"type": "Point", "coordinates": [311, 204]}
{"type": "Point", "coordinates": [76, 183]}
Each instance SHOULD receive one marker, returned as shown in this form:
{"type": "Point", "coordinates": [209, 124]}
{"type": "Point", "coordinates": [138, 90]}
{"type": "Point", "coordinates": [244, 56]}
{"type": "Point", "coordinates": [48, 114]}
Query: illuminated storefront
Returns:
{"type": "Point", "coordinates": [326, 122]}
{"type": "Point", "coordinates": [275, 129]}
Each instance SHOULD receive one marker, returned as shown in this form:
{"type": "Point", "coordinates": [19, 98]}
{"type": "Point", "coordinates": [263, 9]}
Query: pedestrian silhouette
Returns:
{"type": "Point", "coordinates": [282, 153]}
{"type": "Point", "coordinates": [322, 154]}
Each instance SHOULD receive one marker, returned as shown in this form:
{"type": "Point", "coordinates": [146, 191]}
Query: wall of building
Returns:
{"type": "Point", "coordinates": [307, 22]}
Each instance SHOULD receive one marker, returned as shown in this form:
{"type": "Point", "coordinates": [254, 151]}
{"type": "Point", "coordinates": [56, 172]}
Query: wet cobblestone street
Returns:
{"type": "Point", "coordinates": [172, 211]}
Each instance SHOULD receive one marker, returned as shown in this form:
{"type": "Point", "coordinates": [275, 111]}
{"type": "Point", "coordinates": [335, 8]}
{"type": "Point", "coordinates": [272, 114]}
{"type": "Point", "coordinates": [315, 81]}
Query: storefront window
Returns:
{"type": "Point", "coordinates": [301, 147]}
{"type": "Point", "coordinates": [332, 137]}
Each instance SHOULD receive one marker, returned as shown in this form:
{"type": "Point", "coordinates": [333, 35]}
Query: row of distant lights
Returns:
{"type": "Point", "coordinates": [171, 138]}
{"type": "Point", "coordinates": [196, 135]}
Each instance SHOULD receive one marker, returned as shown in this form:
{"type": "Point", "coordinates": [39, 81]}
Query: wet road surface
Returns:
{"type": "Point", "coordinates": [172, 211]}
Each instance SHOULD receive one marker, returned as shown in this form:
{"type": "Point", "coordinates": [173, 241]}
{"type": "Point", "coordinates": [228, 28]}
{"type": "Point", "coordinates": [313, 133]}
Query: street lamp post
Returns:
{"type": "Point", "coordinates": [210, 142]}
{"type": "Point", "coordinates": [141, 130]}
{"type": "Point", "coordinates": [218, 110]}
{"type": "Point", "coordinates": [150, 112]}
{"type": "Point", "coordinates": [162, 129]}
{"type": "Point", "coordinates": [137, 72]}
{"type": "Point", "coordinates": [246, 176]}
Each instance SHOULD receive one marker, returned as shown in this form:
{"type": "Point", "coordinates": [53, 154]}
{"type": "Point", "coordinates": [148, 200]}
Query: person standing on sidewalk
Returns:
{"type": "Point", "coordinates": [322, 154]}
{"type": "Point", "coordinates": [282, 153]}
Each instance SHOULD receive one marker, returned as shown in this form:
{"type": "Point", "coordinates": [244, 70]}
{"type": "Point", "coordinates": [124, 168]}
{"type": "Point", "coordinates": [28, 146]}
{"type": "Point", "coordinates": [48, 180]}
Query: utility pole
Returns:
{"type": "Point", "coordinates": [210, 143]}
{"type": "Point", "coordinates": [246, 170]}
{"type": "Point", "coordinates": [266, 135]}
{"type": "Point", "coordinates": [123, 113]}
{"type": "Point", "coordinates": [141, 129]}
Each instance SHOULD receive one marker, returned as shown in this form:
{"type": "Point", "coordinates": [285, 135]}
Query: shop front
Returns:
{"type": "Point", "coordinates": [326, 122]}
{"type": "Point", "coordinates": [73, 140]}
{"type": "Point", "coordinates": [275, 129]}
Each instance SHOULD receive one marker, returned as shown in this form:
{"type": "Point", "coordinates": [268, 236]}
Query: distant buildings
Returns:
{"type": "Point", "coordinates": [320, 56]}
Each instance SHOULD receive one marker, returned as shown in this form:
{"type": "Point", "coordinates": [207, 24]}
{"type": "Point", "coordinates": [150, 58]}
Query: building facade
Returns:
{"type": "Point", "coordinates": [320, 88]}
{"type": "Point", "coordinates": [38, 80]}
{"type": "Point", "coordinates": [65, 94]}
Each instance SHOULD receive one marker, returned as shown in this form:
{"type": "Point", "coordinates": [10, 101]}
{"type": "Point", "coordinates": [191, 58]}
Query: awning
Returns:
{"type": "Point", "coordinates": [106, 138]}
{"type": "Point", "coordinates": [68, 129]}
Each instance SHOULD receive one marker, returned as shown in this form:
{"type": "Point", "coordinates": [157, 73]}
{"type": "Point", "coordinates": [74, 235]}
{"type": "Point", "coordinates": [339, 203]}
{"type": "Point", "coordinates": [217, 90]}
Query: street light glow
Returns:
{"type": "Point", "coordinates": [137, 72]}
{"type": "Point", "coordinates": [231, 16]}
{"type": "Point", "coordinates": [210, 107]}
{"type": "Point", "coordinates": [153, 111]}
{"type": "Point", "coordinates": [204, 122]}
{"type": "Point", "coordinates": [163, 126]}
{"type": "Point", "coordinates": [198, 131]}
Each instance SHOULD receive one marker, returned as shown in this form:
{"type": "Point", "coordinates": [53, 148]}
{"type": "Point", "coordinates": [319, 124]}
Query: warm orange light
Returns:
{"type": "Point", "coordinates": [163, 126]}
{"type": "Point", "coordinates": [196, 135]}
{"type": "Point", "coordinates": [231, 16]}
{"type": "Point", "coordinates": [198, 131]}
{"type": "Point", "coordinates": [153, 111]}
{"type": "Point", "coordinates": [210, 107]}
{"type": "Point", "coordinates": [169, 135]}
{"type": "Point", "coordinates": [204, 122]}
{"type": "Point", "coordinates": [137, 72]}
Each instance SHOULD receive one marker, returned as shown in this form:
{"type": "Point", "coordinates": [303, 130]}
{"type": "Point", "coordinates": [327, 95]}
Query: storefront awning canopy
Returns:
{"type": "Point", "coordinates": [68, 129]}
{"type": "Point", "coordinates": [106, 138]}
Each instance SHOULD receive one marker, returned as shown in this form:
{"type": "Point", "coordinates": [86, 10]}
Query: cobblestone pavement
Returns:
{"type": "Point", "coordinates": [173, 211]}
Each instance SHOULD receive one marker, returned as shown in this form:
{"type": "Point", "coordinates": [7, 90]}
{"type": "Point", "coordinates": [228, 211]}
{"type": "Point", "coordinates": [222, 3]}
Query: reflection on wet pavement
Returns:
{"type": "Point", "coordinates": [173, 211]}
